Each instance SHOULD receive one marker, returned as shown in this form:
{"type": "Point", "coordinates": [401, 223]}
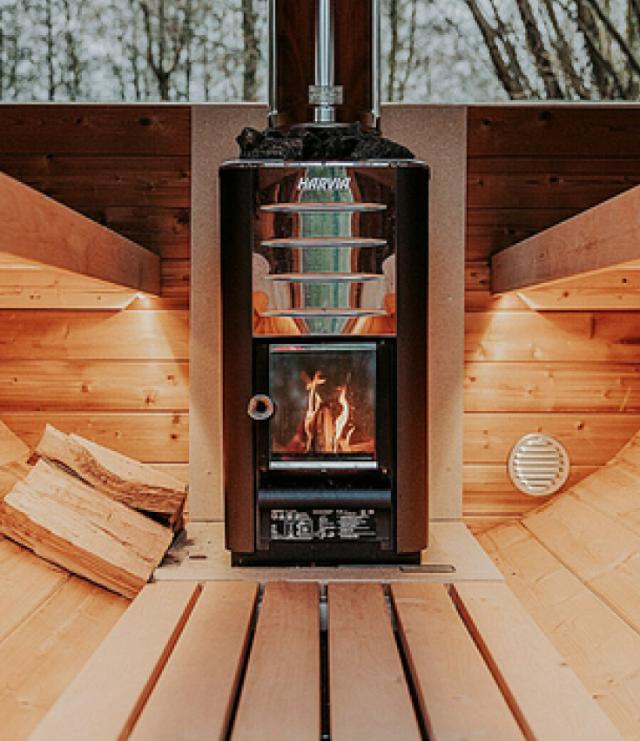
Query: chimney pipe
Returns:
{"type": "Point", "coordinates": [324, 63]}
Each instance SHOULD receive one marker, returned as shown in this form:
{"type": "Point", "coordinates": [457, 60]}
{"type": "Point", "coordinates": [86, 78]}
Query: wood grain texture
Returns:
{"type": "Point", "coordinates": [369, 695]}
{"type": "Point", "coordinates": [103, 697]}
{"type": "Point", "coordinates": [456, 691]}
{"type": "Point", "coordinates": [162, 230]}
{"type": "Point", "coordinates": [529, 168]}
{"type": "Point", "coordinates": [121, 478]}
{"type": "Point", "coordinates": [607, 290]}
{"type": "Point", "coordinates": [194, 695]}
{"type": "Point", "coordinates": [59, 385]}
{"type": "Point", "coordinates": [40, 229]}
{"type": "Point", "coordinates": [12, 448]}
{"type": "Point", "coordinates": [543, 692]}
{"type": "Point", "coordinates": [553, 130]}
{"type": "Point", "coordinates": [127, 168]}
{"type": "Point", "coordinates": [554, 336]}
{"type": "Point", "coordinates": [552, 387]}
{"type": "Point", "coordinates": [48, 648]}
{"type": "Point", "coordinates": [152, 437]}
{"type": "Point", "coordinates": [601, 648]}
{"type": "Point", "coordinates": [125, 335]}
{"type": "Point", "coordinates": [490, 230]}
{"type": "Point", "coordinates": [601, 551]}
{"type": "Point", "coordinates": [19, 567]}
{"type": "Point", "coordinates": [82, 530]}
{"type": "Point", "coordinates": [579, 245]}
{"type": "Point", "coordinates": [101, 130]}
{"type": "Point", "coordinates": [95, 181]}
{"type": "Point", "coordinates": [591, 439]}
{"type": "Point", "coordinates": [285, 681]}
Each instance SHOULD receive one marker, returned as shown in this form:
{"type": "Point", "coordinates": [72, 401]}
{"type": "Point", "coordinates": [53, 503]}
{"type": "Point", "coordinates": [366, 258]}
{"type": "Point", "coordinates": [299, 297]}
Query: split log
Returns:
{"type": "Point", "coordinates": [71, 524]}
{"type": "Point", "coordinates": [127, 481]}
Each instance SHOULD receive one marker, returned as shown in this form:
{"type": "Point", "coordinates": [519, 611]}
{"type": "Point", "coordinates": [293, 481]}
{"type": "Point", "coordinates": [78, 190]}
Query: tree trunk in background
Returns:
{"type": "Point", "coordinates": [251, 54]}
{"type": "Point", "coordinates": [73, 65]}
{"type": "Point", "coordinates": [393, 49]}
{"type": "Point", "coordinates": [48, 24]}
{"type": "Point", "coordinates": [167, 30]}
{"type": "Point", "coordinates": [538, 50]}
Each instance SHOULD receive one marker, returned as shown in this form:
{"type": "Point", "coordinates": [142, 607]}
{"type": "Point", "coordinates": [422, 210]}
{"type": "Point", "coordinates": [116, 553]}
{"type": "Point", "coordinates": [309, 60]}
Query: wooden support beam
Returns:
{"type": "Point", "coordinates": [39, 230]}
{"type": "Point", "coordinates": [605, 236]}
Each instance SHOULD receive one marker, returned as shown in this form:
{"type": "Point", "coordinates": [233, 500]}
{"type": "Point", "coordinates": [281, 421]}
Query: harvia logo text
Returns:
{"type": "Point", "coordinates": [340, 183]}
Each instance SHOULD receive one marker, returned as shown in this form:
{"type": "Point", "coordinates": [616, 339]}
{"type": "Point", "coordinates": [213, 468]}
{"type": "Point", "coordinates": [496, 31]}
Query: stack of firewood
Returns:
{"type": "Point", "coordinates": [88, 509]}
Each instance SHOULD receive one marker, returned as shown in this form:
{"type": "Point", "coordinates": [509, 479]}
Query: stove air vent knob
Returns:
{"type": "Point", "coordinates": [261, 407]}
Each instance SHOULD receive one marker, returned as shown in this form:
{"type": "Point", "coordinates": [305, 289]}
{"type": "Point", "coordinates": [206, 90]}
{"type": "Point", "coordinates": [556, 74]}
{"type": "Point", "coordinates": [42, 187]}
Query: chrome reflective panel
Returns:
{"type": "Point", "coordinates": [324, 254]}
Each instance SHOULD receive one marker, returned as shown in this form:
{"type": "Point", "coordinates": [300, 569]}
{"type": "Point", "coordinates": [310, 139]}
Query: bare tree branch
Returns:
{"type": "Point", "coordinates": [564, 53]}
{"type": "Point", "coordinates": [616, 35]}
{"type": "Point", "coordinates": [538, 50]}
{"type": "Point", "coordinates": [504, 72]}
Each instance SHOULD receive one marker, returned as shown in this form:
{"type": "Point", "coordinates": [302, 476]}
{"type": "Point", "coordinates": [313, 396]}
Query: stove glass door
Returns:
{"type": "Point", "coordinates": [325, 406]}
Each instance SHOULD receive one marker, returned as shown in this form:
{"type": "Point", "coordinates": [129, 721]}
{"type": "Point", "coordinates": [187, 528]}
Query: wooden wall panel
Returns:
{"type": "Point", "coordinates": [572, 374]}
{"type": "Point", "coordinates": [120, 378]}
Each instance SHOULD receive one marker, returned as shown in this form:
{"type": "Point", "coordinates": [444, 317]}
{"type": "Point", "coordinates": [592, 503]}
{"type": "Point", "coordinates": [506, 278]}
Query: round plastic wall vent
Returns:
{"type": "Point", "coordinates": [538, 465]}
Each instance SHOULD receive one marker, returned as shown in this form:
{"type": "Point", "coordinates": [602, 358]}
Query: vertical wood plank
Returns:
{"type": "Point", "coordinates": [194, 696]}
{"type": "Point", "coordinates": [457, 694]}
{"type": "Point", "coordinates": [105, 698]}
{"type": "Point", "coordinates": [368, 694]}
{"type": "Point", "coordinates": [280, 698]}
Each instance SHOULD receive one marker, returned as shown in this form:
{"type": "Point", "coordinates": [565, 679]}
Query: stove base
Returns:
{"type": "Point", "coordinates": [313, 554]}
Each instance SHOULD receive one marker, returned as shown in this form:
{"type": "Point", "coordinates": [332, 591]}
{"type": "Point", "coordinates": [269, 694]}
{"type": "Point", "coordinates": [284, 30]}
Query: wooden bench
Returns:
{"type": "Point", "coordinates": [298, 661]}
{"type": "Point", "coordinates": [574, 564]}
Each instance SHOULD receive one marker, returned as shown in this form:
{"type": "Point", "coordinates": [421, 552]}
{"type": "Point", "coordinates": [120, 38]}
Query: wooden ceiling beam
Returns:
{"type": "Point", "coordinates": [37, 229]}
{"type": "Point", "coordinates": [605, 236]}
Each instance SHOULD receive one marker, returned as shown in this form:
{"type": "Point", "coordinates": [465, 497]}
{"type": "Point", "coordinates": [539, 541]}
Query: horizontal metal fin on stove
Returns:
{"type": "Point", "coordinates": [323, 207]}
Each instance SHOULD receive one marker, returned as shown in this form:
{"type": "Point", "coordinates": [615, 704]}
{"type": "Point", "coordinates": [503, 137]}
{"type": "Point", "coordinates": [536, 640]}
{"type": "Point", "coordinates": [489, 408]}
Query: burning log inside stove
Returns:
{"type": "Point", "coordinates": [327, 425]}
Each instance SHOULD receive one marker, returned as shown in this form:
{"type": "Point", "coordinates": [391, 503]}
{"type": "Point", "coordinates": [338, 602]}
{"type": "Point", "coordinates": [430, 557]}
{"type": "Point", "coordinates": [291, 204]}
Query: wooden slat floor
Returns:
{"type": "Point", "coordinates": [344, 661]}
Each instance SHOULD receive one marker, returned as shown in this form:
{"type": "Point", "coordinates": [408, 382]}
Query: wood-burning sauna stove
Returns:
{"type": "Point", "coordinates": [324, 286]}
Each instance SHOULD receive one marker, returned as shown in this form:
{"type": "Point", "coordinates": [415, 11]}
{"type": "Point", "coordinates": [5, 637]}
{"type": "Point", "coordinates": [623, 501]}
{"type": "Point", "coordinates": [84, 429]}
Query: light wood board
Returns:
{"type": "Point", "coordinates": [369, 696]}
{"type": "Point", "coordinates": [458, 696]}
{"type": "Point", "coordinates": [202, 556]}
{"type": "Point", "coordinates": [544, 694]}
{"type": "Point", "coordinates": [106, 697]}
{"type": "Point", "coordinates": [194, 697]}
{"type": "Point", "coordinates": [280, 697]}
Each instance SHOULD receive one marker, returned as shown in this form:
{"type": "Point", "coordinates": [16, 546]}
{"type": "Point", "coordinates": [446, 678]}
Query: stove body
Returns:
{"type": "Point", "coordinates": [324, 288]}
{"type": "Point", "coordinates": [324, 284]}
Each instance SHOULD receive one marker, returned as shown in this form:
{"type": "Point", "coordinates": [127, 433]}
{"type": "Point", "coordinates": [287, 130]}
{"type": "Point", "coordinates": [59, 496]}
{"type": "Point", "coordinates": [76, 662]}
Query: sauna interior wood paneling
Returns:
{"type": "Point", "coordinates": [572, 374]}
{"type": "Point", "coordinates": [117, 377]}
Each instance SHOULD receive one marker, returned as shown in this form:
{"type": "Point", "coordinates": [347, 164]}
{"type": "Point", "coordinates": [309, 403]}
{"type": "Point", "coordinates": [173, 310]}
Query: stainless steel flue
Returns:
{"type": "Point", "coordinates": [324, 62]}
